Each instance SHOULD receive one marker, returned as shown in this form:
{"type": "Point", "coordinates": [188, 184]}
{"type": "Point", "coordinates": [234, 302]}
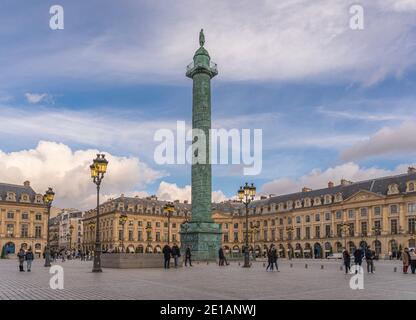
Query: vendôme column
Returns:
{"type": "Point", "coordinates": [201, 234]}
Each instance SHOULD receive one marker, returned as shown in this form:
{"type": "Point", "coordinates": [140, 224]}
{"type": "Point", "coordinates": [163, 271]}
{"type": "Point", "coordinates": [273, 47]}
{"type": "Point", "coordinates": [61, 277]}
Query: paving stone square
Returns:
{"type": "Point", "coordinates": [207, 282]}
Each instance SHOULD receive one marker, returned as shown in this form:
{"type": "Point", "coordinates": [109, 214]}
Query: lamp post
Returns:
{"type": "Point", "coordinates": [122, 220]}
{"type": "Point", "coordinates": [246, 194]}
{"type": "Point", "coordinates": [254, 235]}
{"type": "Point", "coordinates": [377, 230]}
{"type": "Point", "coordinates": [149, 236]}
{"type": "Point", "coordinates": [345, 228]}
{"type": "Point", "coordinates": [98, 169]}
{"type": "Point", "coordinates": [71, 231]}
{"type": "Point", "coordinates": [289, 230]}
{"type": "Point", "coordinates": [91, 225]}
{"type": "Point", "coordinates": [47, 199]}
{"type": "Point", "coordinates": [168, 208]}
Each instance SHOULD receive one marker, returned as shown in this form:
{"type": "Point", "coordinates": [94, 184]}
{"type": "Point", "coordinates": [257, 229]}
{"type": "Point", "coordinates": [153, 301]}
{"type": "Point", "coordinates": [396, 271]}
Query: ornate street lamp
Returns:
{"type": "Point", "coordinates": [149, 236]}
{"type": "Point", "coordinates": [98, 169]}
{"type": "Point", "coordinates": [169, 208]}
{"type": "Point", "coordinates": [91, 225]}
{"type": "Point", "coordinates": [377, 231]}
{"type": "Point", "coordinates": [345, 228]}
{"type": "Point", "coordinates": [122, 221]}
{"type": "Point", "coordinates": [289, 230]}
{"type": "Point", "coordinates": [47, 199]}
{"type": "Point", "coordinates": [245, 195]}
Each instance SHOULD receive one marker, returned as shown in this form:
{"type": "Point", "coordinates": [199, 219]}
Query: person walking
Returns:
{"type": "Point", "coordinates": [270, 259]}
{"type": "Point", "coordinates": [188, 256]}
{"type": "Point", "coordinates": [369, 258]}
{"type": "Point", "coordinates": [29, 258]}
{"type": "Point", "coordinates": [358, 258]}
{"type": "Point", "coordinates": [347, 260]}
{"type": "Point", "coordinates": [176, 253]}
{"type": "Point", "coordinates": [167, 251]}
{"type": "Point", "coordinates": [221, 257]}
{"type": "Point", "coordinates": [412, 260]}
{"type": "Point", "coordinates": [274, 258]}
{"type": "Point", "coordinates": [406, 260]}
{"type": "Point", "coordinates": [21, 257]}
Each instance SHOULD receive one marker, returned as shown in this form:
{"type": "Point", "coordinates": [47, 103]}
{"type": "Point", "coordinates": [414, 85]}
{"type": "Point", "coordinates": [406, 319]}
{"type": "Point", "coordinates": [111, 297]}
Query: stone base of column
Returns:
{"type": "Point", "coordinates": [204, 240]}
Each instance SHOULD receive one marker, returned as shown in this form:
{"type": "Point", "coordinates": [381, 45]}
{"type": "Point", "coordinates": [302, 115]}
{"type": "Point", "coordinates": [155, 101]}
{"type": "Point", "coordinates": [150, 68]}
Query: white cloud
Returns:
{"type": "Point", "coordinates": [262, 40]}
{"type": "Point", "coordinates": [318, 179]}
{"type": "Point", "coordinates": [171, 192]}
{"type": "Point", "coordinates": [34, 98]}
{"type": "Point", "coordinates": [67, 171]}
{"type": "Point", "coordinates": [398, 140]}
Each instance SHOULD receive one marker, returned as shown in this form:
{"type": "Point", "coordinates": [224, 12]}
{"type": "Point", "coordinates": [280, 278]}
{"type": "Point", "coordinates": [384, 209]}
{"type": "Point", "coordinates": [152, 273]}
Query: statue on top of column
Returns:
{"type": "Point", "coordinates": [201, 38]}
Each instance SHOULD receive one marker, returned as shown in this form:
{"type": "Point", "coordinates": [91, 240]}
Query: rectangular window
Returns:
{"type": "Point", "coordinates": [158, 236]}
{"type": "Point", "coordinates": [120, 235]}
{"type": "Point", "coordinates": [38, 217]}
{"type": "Point", "coordinates": [297, 219]}
{"type": "Point", "coordinates": [377, 227]}
{"type": "Point", "coordinates": [25, 216]}
{"type": "Point", "coordinates": [363, 212]}
{"type": "Point", "coordinates": [393, 226]}
{"type": "Point", "coordinates": [174, 237]}
{"type": "Point", "coordinates": [157, 224]}
{"type": "Point", "coordinates": [350, 214]}
{"type": "Point", "coordinates": [38, 232]}
{"type": "Point", "coordinates": [394, 209]}
{"type": "Point", "coordinates": [377, 211]}
{"type": "Point", "coordinates": [265, 235]}
{"type": "Point", "coordinates": [235, 236]}
{"type": "Point", "coordinates": [338, 214]}
{"type": "Point", "coordinates": [149, 224]}
{"type": "Point", "coordinates": [339, 230]}
{"type": "Point", "coordinates": [298, 233]}
{"type": "Point", "coordinates": [307, 219]}
{"type": "Point", "coordinates": [130, 235]}
{"type": "Point", "coordinates": [411, 208]}
{"type": "Point", "coordinates": [24, 231]}
{"type": "Point", "coordinates": [165, 224]}
{"type": "Point", "coordinates": [149, 235]}
{"type": "Point", "coordinates": [328, 231]}
{"type": "Point", "coordinates": [289, 220]}
{"type": "Point", "coordinates": [411, 225]}
{"type": "Point", "coordinates": [273, 223]}
{"type": "Point", "coordinates": [10, 215]}
{"type": "Point", "coordinates": [235, 225]}
{"type": "Point", "coordinates": [265, 223]}
{"type": "Point", "coordinates": [10, 230]}
{"type": "Point", "coordinates": [364, 228]}
{"type": "Point", "coordinates": [352, 229]}
{"type": "Point", "coordinates": [273, 234]}
{"type": "Point", "coordinates": [307, 232]}
{"type": "Point", "coordinates": [140, 235]}
{"type": "Point", "coordinates": [140, 223]}
{"type": "Point", "coordinates": [226, 237]}
{"type": "Point", "coordinates": [328, 216]}
{"type": "Point", "coordinates": [317, 232]}
{"type": "Point", "coordinates": [317, 217]}
{"type": "Point", "coordinates": [281, 234]}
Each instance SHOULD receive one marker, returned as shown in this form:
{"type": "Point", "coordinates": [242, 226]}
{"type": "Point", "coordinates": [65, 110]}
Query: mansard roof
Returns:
{"type": "Point", "coordinates": [17, 189]}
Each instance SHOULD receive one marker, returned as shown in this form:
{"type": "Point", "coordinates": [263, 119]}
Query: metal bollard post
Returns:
{"type": "Point", "coordinates": [306, 266]}
{"type": "Point", "coordinates": [264, 264]}
{"type": "Point", "coordinates": [291, 265]}
{"type": "Point", "coordinates": [341, 268]}
{"type": "Point", "coordinates": [322, 267]}
{"type": "Point", "coordinates": [395, 269]}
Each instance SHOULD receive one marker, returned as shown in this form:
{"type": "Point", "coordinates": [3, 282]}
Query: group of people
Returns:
{"type": "Point", "coordinates": [27, 256]}
{"type": "Point", "coordinates": [272, 258]}
{"type": "Point", "coordinates": [409, 259]}
{"type": "Point", "coordinates": [359, 254]}
{"type": "Point", "coordinates": [174, 252]}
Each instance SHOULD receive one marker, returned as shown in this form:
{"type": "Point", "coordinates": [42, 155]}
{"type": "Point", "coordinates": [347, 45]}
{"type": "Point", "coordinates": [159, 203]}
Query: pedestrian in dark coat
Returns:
{"type": "Point", "coordinates": [406, 259]}
{"type": "Point", "coordinates": [188, 256]}
{"type": "Point", "coordinates": [269, 259]}
{"type": "Point", "coordinates": [358, 258]}
{"type": "Point", "coordinates": [176, 253]}
{"type": "Point", "coordinates": [167, 251]}
{"type": "Point", "coordinates": [21, 257]}
{"type": "Point", "coordinates": [29, 258]}
{"type": "Point", "coordinates": [221, 257]}
{"type": "Point", "coordinates": [369, 258]}
{"type": "Point", "coordinates": [412, 260]}
{"type": "Point", "coordinates": [274, 258]}
{"type": "Point", "coordinates": [347, 260]}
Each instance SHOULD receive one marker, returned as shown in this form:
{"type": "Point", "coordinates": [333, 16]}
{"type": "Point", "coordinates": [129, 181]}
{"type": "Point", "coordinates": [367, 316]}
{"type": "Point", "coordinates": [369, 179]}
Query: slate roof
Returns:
{"type": "Point", "coordinates": [17, 189]}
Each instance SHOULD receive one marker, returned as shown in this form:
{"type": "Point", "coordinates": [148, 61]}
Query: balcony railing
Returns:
{"type": "Point", "coordinates": [212, 65]}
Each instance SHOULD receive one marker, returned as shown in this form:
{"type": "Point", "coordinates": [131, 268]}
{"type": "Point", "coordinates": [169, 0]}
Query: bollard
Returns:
{"type": "Point", "coordinates": [395, 269]}
{"type": "Point", "coordinates": [306, 266]}
{"type": "Point", "coordinates": [322, 267]}
{"type": "Point", "coordinates": [238, 262]}
{"type": "Point", "coordinates": [264, 265]}
{"type": "Point", "coordinates": [291, 265]}
{"type": "Point", "coordinates": [197, 262]}
{"type": "Point", "coordinates": [207, 263]}
{"type": "Point", "coordinates": [341, 268]}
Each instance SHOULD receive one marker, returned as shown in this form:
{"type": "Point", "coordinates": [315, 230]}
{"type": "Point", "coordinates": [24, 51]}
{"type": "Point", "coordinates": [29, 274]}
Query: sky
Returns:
{"type": "Point", "coordinates": [332, 102]}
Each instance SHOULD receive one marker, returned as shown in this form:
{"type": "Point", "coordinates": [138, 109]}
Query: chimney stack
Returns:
{"type": "Point", "coordinates": [306, 189]}
{"type": "Point", "coordinates": [345, 182]}
{"type": "Point", "coordinates": [411, 170]}
{"type": "Point", "coordinates": [263, 198]}
{"type": "Point", "coordinates": [330, 184]}
{"type": "Point", "coordinates": [26, 183]}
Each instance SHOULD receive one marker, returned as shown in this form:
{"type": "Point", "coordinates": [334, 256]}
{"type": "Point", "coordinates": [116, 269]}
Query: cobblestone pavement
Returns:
{"type": "Point", "coordinates": [207, 282]}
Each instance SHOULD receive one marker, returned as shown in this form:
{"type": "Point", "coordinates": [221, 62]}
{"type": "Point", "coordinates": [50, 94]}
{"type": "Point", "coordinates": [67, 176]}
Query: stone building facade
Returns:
{"type": "Point", "coordinates": [23, 218]}
{"type": "Point", "coordinates": [380, 213]}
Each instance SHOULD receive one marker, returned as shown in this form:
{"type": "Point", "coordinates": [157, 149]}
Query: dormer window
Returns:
{"type": "Point", "coordinates": [298, 204]}
{"type": "Point", "coordinates": [24, 197]}
{"type": "Point", "coordinates": [11, 196]}
{"type": "Point", "coordinates": [307, 202]}
{"type": "Point", "coordinates": [120, 206]}
{"type": "Point", "coordinates": [317, 201]}
{"type": "Point", "coordinates": [281, 206]}
{"type": "Point", "coordinates": [338, 197]}
{"type": "Point", "coordinates": [289, 205]}
{"type": "Point", "coordinates": [393, 189]}
{"type": "Point", "coordinates": [328, 199]}
{"type": "Point", "coordinates": [410, 186]}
